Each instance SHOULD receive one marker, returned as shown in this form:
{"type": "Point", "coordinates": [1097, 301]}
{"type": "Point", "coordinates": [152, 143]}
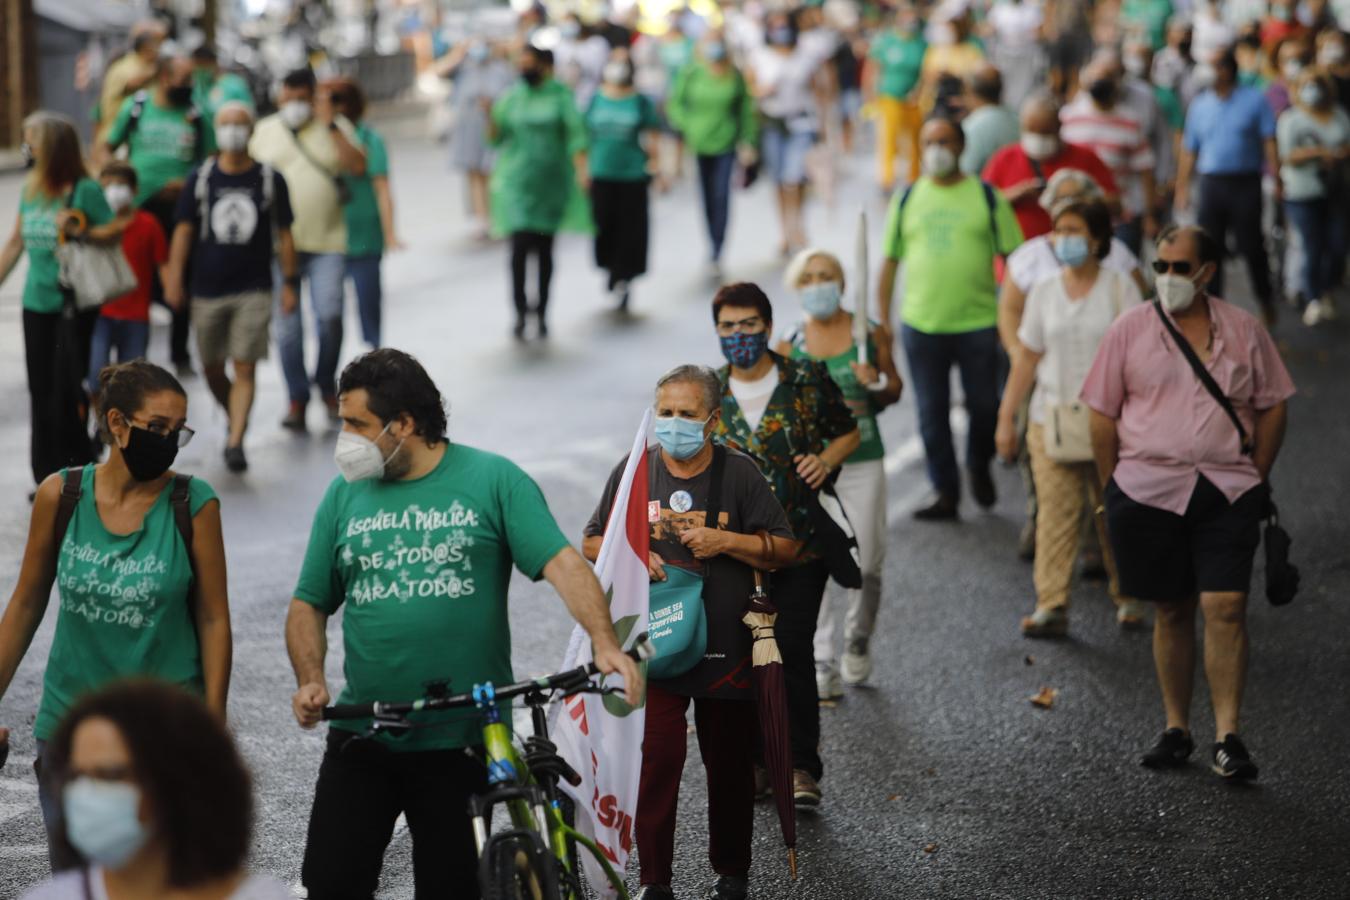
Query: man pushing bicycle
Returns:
{"type": "Point", "coordinates": [417, 538]}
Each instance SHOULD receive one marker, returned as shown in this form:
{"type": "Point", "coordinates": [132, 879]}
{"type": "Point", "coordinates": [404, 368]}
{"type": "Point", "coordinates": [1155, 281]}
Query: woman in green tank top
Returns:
{"type": "Point", "coordinates": [827, 335]}
{"type": "Point", "coordinates": [134, 598]}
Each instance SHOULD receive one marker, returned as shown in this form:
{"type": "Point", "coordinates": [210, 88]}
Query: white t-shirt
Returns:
{"type": "Point", "coordinates": [70, 886]}
{"type": "Point", "coordinates": [1035, 261]}
{"type": "Point", "coordinates": [1068, 333]}
{"type": "Point", "coordinates": [753, 396]}
{"type": "Point", "coordinates": [1016, 25]}
{"type": "Point", "coordinates": [786, 80]}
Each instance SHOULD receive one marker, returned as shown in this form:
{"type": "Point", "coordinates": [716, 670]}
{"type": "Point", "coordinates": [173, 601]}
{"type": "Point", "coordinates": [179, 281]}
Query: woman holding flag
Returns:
{"type": "Point", "coordinates": [860, 361]}
{"type": "Point", "coordinates": [710, 513]}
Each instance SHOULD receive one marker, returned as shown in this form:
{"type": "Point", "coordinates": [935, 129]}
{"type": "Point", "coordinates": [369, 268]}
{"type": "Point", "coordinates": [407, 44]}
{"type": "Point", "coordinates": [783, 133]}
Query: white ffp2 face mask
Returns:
{"type": "Point", "coordinates": [938, 161]}
{"type": "Point", "coordinates": [359, 458]}
{"type": "Point", "coordinates": [232, 138]}
{"type": "Point", "coordinates": [296, 114]}
{"type": "Point", "coordinates": [119, 196]}
{"type": "Point", "coordinates": [1175, 292]}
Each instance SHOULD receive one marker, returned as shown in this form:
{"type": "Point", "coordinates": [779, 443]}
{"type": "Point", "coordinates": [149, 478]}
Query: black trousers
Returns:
{"type": "Point", "coordinates": [362, 788]}
{"type": "Point", "coordinates": [57, 402]}
{"type": "Point", "coordinates": [620, 211]}
{"type": "Point", "coordinates": [1231, 204]}
{"type": "Point", "coordinates": [797, 592]}
{"type": "Point", "coordinates": [163, 211]}
{"type": "Point", "coordinates": [525, 244]}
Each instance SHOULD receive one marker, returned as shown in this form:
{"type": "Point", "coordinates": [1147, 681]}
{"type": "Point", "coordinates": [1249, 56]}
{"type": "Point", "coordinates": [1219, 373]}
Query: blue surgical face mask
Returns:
{"type": "Point", "coordinates": [681, 438]}
{"type": "Point", "coordinates": [103, 820]}
{"type": "Point", "coordinates": [1071, 249]}
{"type": "Point", "coordinates": [744, 350]}
{"type": "Point", "coordinates": [821, 300]}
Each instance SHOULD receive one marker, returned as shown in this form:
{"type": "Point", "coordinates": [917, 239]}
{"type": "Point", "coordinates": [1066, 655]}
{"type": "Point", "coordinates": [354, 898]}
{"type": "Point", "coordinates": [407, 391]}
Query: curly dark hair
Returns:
{"type": "Point", "coordinates": [186, 766]}
{"type": "Point", "coordinates": [743, 295]}
{"type": "Point", "coordinates": [125, 386]}
{"type": "Point", "coordinates": [395, 383]}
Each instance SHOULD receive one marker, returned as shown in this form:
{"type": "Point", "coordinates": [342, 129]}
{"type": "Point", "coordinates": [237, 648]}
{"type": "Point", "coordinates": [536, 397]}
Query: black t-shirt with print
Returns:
{"type": "Point", "coordinates": [748, 507]}
{"type": "Point", "coordinates": [232, 249]}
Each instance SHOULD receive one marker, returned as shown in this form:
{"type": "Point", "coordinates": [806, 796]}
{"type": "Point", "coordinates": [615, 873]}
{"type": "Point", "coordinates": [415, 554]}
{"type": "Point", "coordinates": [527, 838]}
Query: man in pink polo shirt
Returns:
{"type": "Point", "coordinates": [1184, 499]}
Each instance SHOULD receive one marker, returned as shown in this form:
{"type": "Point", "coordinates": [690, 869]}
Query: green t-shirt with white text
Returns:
{"type": "Point", "coordinates": [163, 145]}
{"type": "Point", "coordinates": [124, 604]}
{"type": "Point", "coordinates": [37, 228]}
{"type": "Point", "coordinates": [420, 568]}
{"type": "Point", "coordinates": [947, 246]}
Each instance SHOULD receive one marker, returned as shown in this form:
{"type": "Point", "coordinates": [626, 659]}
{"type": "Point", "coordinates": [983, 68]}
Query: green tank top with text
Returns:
{"type": "Point", "coordinates": [859, 399]}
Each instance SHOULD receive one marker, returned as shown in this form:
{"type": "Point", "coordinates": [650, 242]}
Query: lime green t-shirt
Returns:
{"type": "Point", "coordinates": [899, 60]}
{"type": "Point", "coordinates": [422, 569]}
{"type": "Point", "coordinates": [163, 145]}
{"type": "Point", "coordinates": [37, 227]}
{"type": "Point", "coordinates": [616, 126]}
{"type": "Point", "coordinates": [861, 401]}
{"type": "Point", "coordinates": [124, 604]}
{"type": "Point", "coordinates": [365, 233]}
{"type": "Point", "coordinates": [947, 245]}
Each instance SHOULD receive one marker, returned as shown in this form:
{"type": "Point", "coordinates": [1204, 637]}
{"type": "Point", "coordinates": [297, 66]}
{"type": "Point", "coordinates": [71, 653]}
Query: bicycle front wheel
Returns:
{"type": "Point", "coordinates": [514, 870]}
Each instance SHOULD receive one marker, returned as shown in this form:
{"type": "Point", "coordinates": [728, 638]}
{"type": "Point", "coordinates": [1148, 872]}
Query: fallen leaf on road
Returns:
{"type": "Point", "coordinates": [1045, 697]}
{"type": "Point", "coordinates": [930, 848]}
{"type": "Point", "coordinates": [930, 771]}
{"type": "Point", "coordinates": [827, 704]}
{"type": "Point", "coordinates": [1029, 660]}
{"type": "Point", "coordinates": [691, 730]}
{"type": "Point", "coordinates": [893, 797]}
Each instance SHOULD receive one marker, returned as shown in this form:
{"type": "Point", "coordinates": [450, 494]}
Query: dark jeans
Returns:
{"type": "Point", "coordinates": [125, 336]}
{"type": "Point", "coordinates": [362, 788]}
{"type": "Point", "coordinates": [57, 401]}
{"type": "Point", "coordinates": [1321, 227]}
{"type": "Point", "coordinates": [620, 212]}
{"type": "Point", "coordinates": [931, 357]}
{"type": "Point", "coordinates": [364, 271]}
{"type": "Point", "coordinates": [523, 245]}
{"type": "Point", "coordinates": [163, 211]}
{"type": "Point", "coordinates": [714, 177]}
{"type": "Point", "coordinates": [60, 854]}
{"type": "Point", "coordinates": [1231, 204]}
{"type": "Point", "coordinates": [726, 740]}
{"type": "Point", "coordinates": [796, 592]}
{"type": "Point", "coordinates": [1131, 234]}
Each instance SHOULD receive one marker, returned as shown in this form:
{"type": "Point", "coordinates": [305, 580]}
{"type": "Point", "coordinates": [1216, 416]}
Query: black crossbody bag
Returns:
{"type": "Point", "coordinates": [1282, 576]}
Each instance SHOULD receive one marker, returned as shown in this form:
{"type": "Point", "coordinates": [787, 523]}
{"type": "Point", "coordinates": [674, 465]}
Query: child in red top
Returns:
{"type": "Point", "coordinates": [124, 324]}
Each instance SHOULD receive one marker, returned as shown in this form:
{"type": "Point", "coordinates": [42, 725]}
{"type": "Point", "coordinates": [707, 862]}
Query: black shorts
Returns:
{"type": "Point", "coordinates": [1162, 556]}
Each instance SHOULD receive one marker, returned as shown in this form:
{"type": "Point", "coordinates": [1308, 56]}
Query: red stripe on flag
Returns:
{"type": "Point", "coordinates": [635, 523]}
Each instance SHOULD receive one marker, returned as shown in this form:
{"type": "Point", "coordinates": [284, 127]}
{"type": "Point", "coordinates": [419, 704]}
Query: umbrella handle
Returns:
{"type": "Point", "coordinates": [792, 862]}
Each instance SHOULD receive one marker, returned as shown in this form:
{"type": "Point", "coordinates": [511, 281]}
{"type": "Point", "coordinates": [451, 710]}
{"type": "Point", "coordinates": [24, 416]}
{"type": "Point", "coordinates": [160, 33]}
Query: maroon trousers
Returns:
{"type": "Point", "coordinates": [726, 738]}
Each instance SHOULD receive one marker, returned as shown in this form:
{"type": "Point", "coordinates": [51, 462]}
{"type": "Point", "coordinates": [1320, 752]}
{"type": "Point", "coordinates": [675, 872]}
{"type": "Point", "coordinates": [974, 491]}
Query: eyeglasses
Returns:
{"type": "Point", "coordinates": [1180, 266]}
{"type": "Point", "coordinates": [752, 325]}
{"type": "Point", "coordinates": [185, 434]}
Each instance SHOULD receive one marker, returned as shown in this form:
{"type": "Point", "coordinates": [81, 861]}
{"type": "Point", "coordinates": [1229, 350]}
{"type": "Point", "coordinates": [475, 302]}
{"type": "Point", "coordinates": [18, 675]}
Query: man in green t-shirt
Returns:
{"type": "Point", "coordinates": [947, 230]}
{"type": "Point", "coordinates": [165, 136]}
{"type": "Point", "coordinates": [416, 542]}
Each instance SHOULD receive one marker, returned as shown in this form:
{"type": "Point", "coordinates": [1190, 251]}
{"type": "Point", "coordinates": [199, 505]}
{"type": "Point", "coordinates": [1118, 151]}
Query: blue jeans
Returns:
{"type": "Point", "coordinates": [1321, 227]}
{"type": "Point", "coordinates": [325, 273]}
{"type": "Point", "coordinates": [714, 177]}
{"type": "Point", "coordinates": [60, 854]}
{"type": "Point", "coordinates": [364, 271]}
{"type": "Point", "coordinates": [128, 338]}
{"type": "Point", "coordinates": [931, 357]}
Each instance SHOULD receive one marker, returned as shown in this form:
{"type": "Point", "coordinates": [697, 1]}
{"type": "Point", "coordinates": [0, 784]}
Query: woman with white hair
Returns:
{"type": "Point", "coordinates": [826, 335]}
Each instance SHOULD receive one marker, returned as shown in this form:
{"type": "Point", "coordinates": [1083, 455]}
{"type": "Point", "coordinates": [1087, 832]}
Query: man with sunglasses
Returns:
{"type": "Point", "coordinates": [1185, 487]}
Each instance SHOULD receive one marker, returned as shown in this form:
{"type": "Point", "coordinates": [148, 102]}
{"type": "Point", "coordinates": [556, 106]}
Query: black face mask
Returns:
{"type": "Point", "coordinates": [1103, 90]}
{"type": "Point", "coordinates": [149, 455]}
{"type": "Point", "coordinates": [179, 94]}
{"type": "Point", "coordinates": [26, 151]}
{"type": "Point", "coordinates": [532, 76]}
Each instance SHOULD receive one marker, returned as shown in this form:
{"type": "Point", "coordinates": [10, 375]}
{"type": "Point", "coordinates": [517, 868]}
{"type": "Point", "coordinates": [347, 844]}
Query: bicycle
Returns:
{"type": "Point", "coordinates": [535, 859]}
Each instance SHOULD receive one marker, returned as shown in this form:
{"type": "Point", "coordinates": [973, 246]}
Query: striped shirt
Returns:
{"type": "Point", "coordinates": [1119, 136]}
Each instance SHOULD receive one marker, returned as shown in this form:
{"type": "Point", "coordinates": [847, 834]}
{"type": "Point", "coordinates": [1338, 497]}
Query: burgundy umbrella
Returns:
{"type": "Point", "coordinates": [771, 700]}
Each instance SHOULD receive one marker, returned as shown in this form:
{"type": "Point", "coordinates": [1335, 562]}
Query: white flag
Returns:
{"type": "Point", "coordinates": [601, 736]}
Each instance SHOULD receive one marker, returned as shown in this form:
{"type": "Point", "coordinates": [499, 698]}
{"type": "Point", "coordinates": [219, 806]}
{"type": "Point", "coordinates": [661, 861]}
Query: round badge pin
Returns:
{"type": "Point", "coordinates": [681, 502]}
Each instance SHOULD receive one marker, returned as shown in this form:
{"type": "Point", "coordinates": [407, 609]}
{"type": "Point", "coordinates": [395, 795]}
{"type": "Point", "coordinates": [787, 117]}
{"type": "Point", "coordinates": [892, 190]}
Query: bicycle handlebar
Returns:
{"type": "Point", "coordinates": [569, 681]}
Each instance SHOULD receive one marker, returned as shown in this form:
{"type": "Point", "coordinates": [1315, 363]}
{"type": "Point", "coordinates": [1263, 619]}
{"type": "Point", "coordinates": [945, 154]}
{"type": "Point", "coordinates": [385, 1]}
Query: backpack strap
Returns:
{"type": "Point", "coordinates": [202, 191]}
{"type": "Point", "coordinates": [180, 499]}
{"type": "Point", "coordinates": [71, 491]}
{"type": "Point", "coordinates": [991, 200]}
{"type": "Point", "coordinates": [1205, 378]}
{"type": "Point", "coordinates": [138, 101]}
{"type": "Point", "coordinates": [198, 122]}
{"type": "Point", "coordinates": [714, 509]}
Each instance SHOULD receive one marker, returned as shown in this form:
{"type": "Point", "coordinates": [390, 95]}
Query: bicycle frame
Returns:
{"type": "Point", "coordinates": [526, 801]}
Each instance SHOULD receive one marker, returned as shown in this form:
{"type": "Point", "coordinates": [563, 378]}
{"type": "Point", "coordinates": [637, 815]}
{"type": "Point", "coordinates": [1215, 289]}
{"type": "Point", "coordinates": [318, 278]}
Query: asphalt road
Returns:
{"type": "Point", "coordinates": [942, 779]}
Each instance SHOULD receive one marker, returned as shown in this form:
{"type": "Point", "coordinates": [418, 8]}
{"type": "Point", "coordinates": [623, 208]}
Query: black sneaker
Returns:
{"type": "Point", "coordinates": [982, 486]}
{"type": "Point", "coordinates": [235, 460]}
{"type": "Point", "coordinates": [655, 892]}
{"type": "Point", "coordinates": [729, 887]}
{"type": "Point", "coordinates": [940, 508]}
{"type": "Point", "coordinates": [1171, 752]}
{"type": "Point", "coordinates": [1231, 760]}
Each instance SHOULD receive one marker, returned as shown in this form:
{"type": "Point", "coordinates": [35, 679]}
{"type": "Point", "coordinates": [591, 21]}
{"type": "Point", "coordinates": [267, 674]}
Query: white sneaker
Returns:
{"type": "Point", "coordinates": [828, 685]}
{"type": "Point", "coordinates": [1312, 313]}
{"type": "Point", "coordinates": [856, 664]}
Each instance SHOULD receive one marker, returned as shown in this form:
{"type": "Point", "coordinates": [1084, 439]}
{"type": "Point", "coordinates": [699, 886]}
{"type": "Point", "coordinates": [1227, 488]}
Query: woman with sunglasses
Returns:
{"type": "Point", "coordinates": [134, 598]}
{"type": "Point", "coordinates": [1066, 317]}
